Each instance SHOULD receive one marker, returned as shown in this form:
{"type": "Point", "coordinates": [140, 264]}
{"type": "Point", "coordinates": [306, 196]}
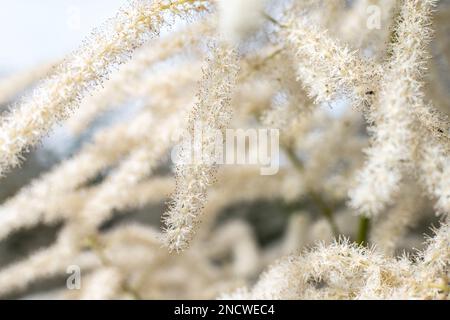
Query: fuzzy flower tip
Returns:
{"type": "Point", "coordinates": [213, 111]}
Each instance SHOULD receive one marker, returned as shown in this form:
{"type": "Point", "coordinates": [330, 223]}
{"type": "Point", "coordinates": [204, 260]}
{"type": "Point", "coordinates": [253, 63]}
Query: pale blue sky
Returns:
{"type": "Point", "coordinates": [35, 31]}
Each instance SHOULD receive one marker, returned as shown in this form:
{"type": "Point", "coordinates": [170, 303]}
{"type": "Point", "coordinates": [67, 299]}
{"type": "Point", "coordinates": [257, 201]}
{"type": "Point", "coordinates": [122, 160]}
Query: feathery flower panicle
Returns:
{"type": "Point", "coordinates": [436, 258]}
{"type": "Point", "coordinates": [430, 274]}
{"type": "Point", "coordinates": [108, 146]}
{"type": "Point", "coordinates": [394, 133]}
{"type": "Point", "coordinates": [347, 271]}
{"type": "Point", "coordinates": [125, 83]}
{"type": "Point", "coordinates": [84, 70]}
{"type": "Point", "coordinates": [434, 166]}
{"type": "Point", "coordinates": [434, 123]}
{"type": "Point", "coordinates": [309, 55]}
{"type": "Point", "coordinates": [212, 112]}
{"type": "Point", "coordinates": [326, 68]}
{"type": "Point", "coordinates": [340, 268]}
{"type": "Point", "coordinates": [114, 191]}
{"type": "Point", "coordinates": [43, 198]}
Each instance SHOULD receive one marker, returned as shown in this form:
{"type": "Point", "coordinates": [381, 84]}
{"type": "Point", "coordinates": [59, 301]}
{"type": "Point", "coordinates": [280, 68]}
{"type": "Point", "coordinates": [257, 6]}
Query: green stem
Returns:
{"type": "Point", "coordinates": [273, 20]}
{"type": "Point", "coordinates": [363, 230]}
{"type": "Point", "coordinates": [262, 63]}
{"type": "Point", "coordinates": [298, 164]}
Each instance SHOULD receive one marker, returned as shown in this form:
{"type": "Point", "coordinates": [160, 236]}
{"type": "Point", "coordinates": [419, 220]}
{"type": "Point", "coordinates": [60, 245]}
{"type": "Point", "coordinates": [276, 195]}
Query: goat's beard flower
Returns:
{"type": "Point", "coordinates": [193, 179]}
{"type": "Point", "coordinates": [86, 69]}
{"type": "Point", "coordinates": [289, 74]}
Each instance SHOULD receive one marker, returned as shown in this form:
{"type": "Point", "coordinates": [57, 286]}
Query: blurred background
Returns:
{"type": "Point", "coordinates": [34, 32]}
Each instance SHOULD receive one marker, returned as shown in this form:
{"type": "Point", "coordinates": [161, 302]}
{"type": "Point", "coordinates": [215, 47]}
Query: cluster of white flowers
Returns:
{"type": "Point", "coordinates": [83, 71]}
{"type": "Point", "coordinates": [364, 170]}
{"type": "Point", "coordinates": [213, 111]}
